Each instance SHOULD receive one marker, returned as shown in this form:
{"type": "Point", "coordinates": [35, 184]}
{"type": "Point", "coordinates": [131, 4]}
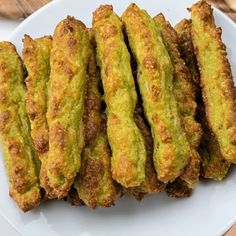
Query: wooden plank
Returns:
{"type": "Point", "coordinates": [20, 9]}
{"type": "Point", "coordinates": [227, 6]}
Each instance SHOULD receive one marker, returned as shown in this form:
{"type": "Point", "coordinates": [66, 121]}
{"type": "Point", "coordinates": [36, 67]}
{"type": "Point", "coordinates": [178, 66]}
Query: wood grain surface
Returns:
{"type": "Point", "coordinates": [20, 9]}
{"type": "Point", "coordinates": [227, 6]}
{"type": "Point", "coordinates": [231, 232]}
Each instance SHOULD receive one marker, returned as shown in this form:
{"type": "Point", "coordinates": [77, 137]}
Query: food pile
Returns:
{"type": "Point", "coordinates": [131, 106]}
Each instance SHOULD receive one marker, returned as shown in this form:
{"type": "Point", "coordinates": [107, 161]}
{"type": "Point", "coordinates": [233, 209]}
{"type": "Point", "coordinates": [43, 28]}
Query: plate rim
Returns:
{"type": "Point", "coordinates": [55, 2]}
{"type": "Point", "coordinates": [11, 37]}
{"type": "Point", "coordinates": [29, 18]}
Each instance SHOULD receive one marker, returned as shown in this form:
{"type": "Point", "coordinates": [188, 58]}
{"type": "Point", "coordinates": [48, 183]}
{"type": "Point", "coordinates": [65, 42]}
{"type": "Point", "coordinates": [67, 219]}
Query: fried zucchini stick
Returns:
{"type": "Point", "coordinates": [171, 148]}
{"type": "Point", "coordinates": [183, 29]}
{"type": "Point", "coordinates": [216, 79]}
{"type": "Point", "coordinates": [94, 184]}
{"type": "Point", "coordinates": [21, 162]}
{"type": "Point", "coordinates": [185, 97]}
{"type": "Point", "coordinates": [68, 62]}
{"type": "Point", "coordinates": [126, 141]}
{"type": "Point", "coordinates": [151, 184]}
{"type": "Point", "coordinates": [179, 188]}
{"type": "Point", "coordinates": [73, 197]}
{"type": "Point", "coordinates": [36, 57]}
{"type": "Point", "coordinates": [213, 165]}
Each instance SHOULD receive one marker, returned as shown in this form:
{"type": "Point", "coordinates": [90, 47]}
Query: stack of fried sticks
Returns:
{"type": "Point", "coordinates": [130, 106]}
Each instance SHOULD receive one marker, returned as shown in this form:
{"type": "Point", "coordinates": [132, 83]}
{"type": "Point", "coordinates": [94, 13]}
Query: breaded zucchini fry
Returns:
{"type": "Point", "coordinates": [183, 29]}
{"type": "Point", "coordinates": [178, 189]}
{"type": "Point", "coordinates": [216, 79]}
{"type": "Point", "coordinates": [126, 141]}
{"type": "Point", "coordinates": [21, 162]}
{"type": "Point", "coordinates": [213, 165]}
{"type": "Point", "coordinates": [73, 197]}
{"type": "Point", "coordinates": [171, 148]}
{"type": "Point", "coordinates": [36, 57]}
{"type": "Point", "coordinates": [68, 62]}
{"type": "Point", "coordinates": [185, 97]}
{"type": "Point", "coordinates": [151, 184]}
{"type": "Point", "coordinates": [94, 184]}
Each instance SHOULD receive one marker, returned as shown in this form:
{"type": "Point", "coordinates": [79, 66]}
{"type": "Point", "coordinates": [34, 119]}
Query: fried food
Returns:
{"type": "Point", "coordinates": [68, 62]}
{"type": "Point", "coordinates": [178, 189]}
{"type": "Point", "coordinates": [73, 197]}
{"type": "Point", "coordinates": [21, 162]}
{"type": "Point", "coordinates": [151, 184]}
{"type": "Point", "coordinates": [183, 29]}
{"type": "Point", "coordinates": [131, 105]}
{"type": "Point", "coordinates": [155, 70]}
{"type": "Point", "coordinates": [125, 139]}
{"type": "Point", "coordinates": [94, 184]}
{"type": "Point", "coordinates": [185, 97]}
{"type": "Point", "coordinates": [213, 165]}
{"type": "Point", "coordinates": [216, 79]}
{"type": "Point", "coordinates": [36, 57]}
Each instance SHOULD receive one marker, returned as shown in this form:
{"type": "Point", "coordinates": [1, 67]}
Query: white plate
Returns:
{"type": "Point", "coordinates": [210, 210]}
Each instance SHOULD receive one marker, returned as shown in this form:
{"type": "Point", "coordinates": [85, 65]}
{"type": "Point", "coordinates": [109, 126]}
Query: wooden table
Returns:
{"type": "Point", "coordinates": [20, 9]}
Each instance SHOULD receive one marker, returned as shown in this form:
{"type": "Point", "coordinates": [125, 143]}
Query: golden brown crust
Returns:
{"type": "Point", "coordinates": [156, 86]}
{"type": "Point", "coordinates": [73, 198]}
{"type": "Point", "coordinates": [192, 171]}
{"type": "Point", "coordinates": [183, 29]}
{"type": "Point", "coordinates": [20, 159]}
{"type": "Point", "coordinates": [151, 184]}
{"type": "Point", "coordinates": [94, 184]}
{"type": "Point", "coordinates": [125, 139]}
{"type": "Point", "coordinates": [186, 100]}
{"type": "Point", "coordinates": [183, 87]}
{"type": "Point", "coordinates": [93, 121]}
{"type": "Point", "coordinates": [216, 79]}
{"type": "Point", "coordinates": [101, 12]}
{"type": "Point", "coordinates": [36, 57]}
{"type": "Point", "coordinates": [36, 54]}
{"type": "Point", "coordinates": [178, 189]}
{"type": "Point", "coordinates": [68, 61]}
{"type": "Point", "coordinates": [213, 165]}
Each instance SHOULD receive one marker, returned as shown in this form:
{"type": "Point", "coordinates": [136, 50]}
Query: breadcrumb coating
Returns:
{"type": "Point", "coordinates": [22, 164]}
